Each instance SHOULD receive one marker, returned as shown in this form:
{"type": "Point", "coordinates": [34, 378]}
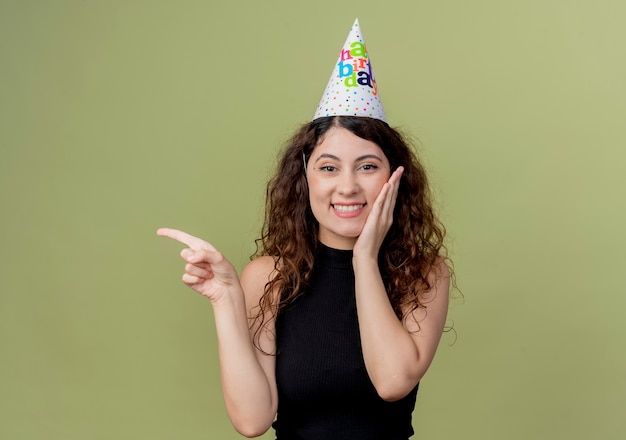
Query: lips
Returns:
{"type": "Point", "coordinates": [347, 208]}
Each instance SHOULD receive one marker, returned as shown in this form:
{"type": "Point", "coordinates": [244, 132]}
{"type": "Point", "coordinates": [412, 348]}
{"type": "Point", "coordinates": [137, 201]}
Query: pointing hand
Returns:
{"type": "Point", "coordinates": [207, 271]}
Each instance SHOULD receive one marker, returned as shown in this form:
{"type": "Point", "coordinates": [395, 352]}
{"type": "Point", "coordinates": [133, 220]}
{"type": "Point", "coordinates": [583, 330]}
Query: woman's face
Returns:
{"type": "Point", "coordinates": [345, 175]}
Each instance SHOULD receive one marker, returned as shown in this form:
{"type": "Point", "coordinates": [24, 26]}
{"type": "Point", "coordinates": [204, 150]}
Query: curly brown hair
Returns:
{"type": "Point", "coordinates": [410, 251]}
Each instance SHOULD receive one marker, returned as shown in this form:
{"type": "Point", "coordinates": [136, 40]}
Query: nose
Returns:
{"type": "Point", "coordinates": [348, 183]}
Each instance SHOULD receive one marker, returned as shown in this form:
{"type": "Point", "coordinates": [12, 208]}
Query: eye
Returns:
{"type": "Point", "coordinates": [368, 167]}
{"type": "Point", "coordinates": [327, 168]}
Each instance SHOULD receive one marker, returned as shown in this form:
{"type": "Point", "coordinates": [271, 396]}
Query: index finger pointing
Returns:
{"type": "Point", "coordinates": [184, 238]}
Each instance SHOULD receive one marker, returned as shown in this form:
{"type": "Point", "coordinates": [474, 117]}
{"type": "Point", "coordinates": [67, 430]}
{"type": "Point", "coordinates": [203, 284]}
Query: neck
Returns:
{"type": "Point", "coordinates": [341, 243]}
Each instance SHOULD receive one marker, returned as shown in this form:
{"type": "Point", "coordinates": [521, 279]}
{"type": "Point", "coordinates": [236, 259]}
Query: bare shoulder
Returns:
{"type": "Point", "coordinates": [259, 268]}
{"type": "Point", "coordinates": [440, 274]}
{"type": "Point", "coordinates": [434, 301]}
{"type": "Point", "coordinates": [255, 276]}
{"type": "Point", "coordinates": [439, 280]}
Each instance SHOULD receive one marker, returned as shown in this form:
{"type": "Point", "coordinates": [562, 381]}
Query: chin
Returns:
{"type": "Point", "coordinates": [353, 234]}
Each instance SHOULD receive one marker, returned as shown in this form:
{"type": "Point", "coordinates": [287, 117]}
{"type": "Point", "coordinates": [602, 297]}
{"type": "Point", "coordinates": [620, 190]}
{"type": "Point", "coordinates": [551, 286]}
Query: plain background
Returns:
{"type": "Point", "coordinates": [121, 116]}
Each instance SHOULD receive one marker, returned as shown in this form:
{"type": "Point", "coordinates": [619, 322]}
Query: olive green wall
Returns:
{"type": "Point", "coordinates": [120, 116]}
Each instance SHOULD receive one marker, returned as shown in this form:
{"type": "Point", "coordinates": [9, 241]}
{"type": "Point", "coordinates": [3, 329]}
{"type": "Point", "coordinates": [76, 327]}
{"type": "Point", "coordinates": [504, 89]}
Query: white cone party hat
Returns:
{"type": "Point", "coordinates": [352, 89]}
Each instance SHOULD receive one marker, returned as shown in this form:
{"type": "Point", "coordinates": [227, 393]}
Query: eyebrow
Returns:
{"type": "Point", "coordinates": [360, 158]}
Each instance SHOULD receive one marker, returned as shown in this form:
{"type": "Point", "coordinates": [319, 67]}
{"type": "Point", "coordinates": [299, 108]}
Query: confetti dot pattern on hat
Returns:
{"type": "Point", "coordinates": [352, 88]}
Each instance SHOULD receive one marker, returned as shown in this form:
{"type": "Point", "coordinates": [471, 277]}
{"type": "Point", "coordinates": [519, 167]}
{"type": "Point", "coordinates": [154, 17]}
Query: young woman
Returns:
{"type": "Point", "coordinates": [332, 325]}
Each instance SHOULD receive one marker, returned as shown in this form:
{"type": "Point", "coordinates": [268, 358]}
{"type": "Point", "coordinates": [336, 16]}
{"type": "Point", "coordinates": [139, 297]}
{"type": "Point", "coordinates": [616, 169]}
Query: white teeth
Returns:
{"type": "Point", "coordinates": [347, 208]}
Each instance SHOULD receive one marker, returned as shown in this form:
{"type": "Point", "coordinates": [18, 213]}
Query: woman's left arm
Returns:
{"type": "Point", "coordinates": [397, 353]}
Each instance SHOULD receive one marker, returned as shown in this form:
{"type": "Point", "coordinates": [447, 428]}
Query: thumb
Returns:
{"type": "Point", "coordinates": [220, 266]}
{"type": "Point", "coordinates": [202, 256]}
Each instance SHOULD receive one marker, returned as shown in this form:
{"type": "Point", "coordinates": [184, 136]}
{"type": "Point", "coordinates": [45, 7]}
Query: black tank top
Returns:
{"type": "Point", "coordinates": [324, 392]}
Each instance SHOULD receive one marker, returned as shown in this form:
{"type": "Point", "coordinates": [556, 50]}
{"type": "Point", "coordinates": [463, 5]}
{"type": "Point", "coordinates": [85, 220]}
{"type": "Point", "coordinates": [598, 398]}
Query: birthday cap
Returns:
{"type": "Point", "coordinates": [352, 89]}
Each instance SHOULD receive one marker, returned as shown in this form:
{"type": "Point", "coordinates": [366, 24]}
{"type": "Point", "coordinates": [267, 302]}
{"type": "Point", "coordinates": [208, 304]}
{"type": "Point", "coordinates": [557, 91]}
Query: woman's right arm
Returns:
{"type": "Point", "coordinates": [247, 375]}
{"type": "Point", "coordinates": [250, 393]}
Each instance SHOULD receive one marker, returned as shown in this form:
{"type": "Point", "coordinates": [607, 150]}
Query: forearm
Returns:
{"type": "Point", "coordinates": [247, 393]}
{"type": "Point", "coordinates": [391, 356]}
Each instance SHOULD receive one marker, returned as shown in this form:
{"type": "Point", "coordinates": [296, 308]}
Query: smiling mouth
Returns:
{"type": "Point", "coordinates": [347, 208]}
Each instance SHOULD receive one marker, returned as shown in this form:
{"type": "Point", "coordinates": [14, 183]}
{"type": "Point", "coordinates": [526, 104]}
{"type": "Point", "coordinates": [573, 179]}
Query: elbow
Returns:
{"type": "Point", "coordinates": [392, 395]}
{"type": "Point", "coordinates": [251, 427]}
{"type": "Point", "coordinates": [394, 390]}
{"type": "Point", "coordinates": [251, 422]}
{"type": "Point", "coordinates": [250, 430]}
{"type": "Point", "coordinates": [250, 433]}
